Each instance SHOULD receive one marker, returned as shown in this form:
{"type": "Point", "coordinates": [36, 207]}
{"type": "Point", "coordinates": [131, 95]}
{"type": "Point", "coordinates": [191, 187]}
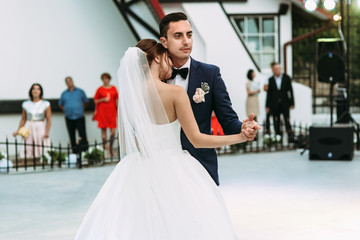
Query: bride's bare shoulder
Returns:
{"type": "Point", "coordinates": [172, 89]}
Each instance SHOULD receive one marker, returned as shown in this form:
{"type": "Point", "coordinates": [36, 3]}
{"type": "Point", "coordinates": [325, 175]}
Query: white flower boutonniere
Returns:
{"type": "Point", "coordinates": [199, 95]}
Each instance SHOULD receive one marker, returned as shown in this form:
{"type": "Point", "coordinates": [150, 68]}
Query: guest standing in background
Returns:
{"type": "Point", "coordinates": [34, 113]}
{"type": "Point", "coordinates": [253, 90]}
{"type": "Point", "coordinates": [216, 129]}
{"type": "Point", "coordinates": [73, 101]}
{"type": "Point", "coordinates": [268, 113]}
{"type": "Point", "coordinates": [279, 100]}
{"type": "Point", "coordinates": [106, 102]}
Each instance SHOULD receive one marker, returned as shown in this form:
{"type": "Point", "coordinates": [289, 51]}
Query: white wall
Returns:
{"type": "Point", "coordinates": [270, 7]}
{"type": "Point", "coordinates": [44, 41]}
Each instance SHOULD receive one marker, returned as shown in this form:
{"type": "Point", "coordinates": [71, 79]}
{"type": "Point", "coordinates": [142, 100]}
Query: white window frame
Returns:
{"type": "Point", "coordinates": [244, 35]}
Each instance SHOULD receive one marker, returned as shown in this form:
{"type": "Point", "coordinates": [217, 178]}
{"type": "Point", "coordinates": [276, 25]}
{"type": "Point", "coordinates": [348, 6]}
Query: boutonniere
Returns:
{"type": "Point", "coordinates": [199, 95]}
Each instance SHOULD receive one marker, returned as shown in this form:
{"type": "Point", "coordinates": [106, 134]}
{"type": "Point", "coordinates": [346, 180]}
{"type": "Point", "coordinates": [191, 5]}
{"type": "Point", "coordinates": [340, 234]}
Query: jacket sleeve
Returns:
{"type": "Point", "coordinates": [291, 93]}
{"type": "Point", "coordinates": [222, 106]}
{"type": "Point", "coordinates": [268, 94]}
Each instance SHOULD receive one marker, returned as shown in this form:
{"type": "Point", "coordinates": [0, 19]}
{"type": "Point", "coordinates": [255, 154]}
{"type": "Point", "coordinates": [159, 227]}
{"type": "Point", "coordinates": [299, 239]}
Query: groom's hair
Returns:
{"type": "Point", "coordinates": [167, 19]}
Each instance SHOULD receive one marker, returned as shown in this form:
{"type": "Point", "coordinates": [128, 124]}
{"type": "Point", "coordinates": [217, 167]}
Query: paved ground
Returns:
{"type": "Point", "coordinates": [271, 196]}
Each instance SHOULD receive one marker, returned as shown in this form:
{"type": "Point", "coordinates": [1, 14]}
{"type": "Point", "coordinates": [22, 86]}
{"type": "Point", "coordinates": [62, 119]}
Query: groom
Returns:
{"type": "Point", "coordinates": [176, 36]}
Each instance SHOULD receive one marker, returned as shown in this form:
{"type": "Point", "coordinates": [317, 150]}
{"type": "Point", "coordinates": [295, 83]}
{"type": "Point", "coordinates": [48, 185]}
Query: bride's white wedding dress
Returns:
{"type": "Point", "coordinates": [158, 191]}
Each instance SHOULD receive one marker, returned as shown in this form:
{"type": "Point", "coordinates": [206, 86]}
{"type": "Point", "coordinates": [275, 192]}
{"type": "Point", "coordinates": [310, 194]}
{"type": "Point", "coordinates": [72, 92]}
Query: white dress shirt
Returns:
{"type": "Point", "coordinates": [278, 81]}
{"type": "Point", "coordinates": [178, 80]}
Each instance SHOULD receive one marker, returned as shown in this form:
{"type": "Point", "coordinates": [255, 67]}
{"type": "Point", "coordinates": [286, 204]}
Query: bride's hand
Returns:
{"type": "Point", "coordinates": [242, 137]}
{"type": "Point", "coordinates": [249, 130]}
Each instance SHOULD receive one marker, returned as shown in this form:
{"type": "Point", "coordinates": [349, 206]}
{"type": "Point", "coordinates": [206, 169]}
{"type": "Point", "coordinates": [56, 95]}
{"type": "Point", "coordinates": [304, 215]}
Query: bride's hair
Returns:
{"type": "Point", "coordinates": [152, 49]}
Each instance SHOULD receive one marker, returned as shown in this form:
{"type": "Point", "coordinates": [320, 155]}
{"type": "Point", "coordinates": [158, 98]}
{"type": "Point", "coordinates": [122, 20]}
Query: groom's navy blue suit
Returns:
{"type": "Point", "coordinates": [218, 100]}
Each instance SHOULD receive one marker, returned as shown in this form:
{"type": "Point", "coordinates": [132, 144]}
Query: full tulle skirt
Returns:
{"type": "Point", "coordinates": [169, 196]}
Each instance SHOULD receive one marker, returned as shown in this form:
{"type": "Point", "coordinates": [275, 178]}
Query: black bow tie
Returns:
{"type": "Point", "coordinates": [182, 71]}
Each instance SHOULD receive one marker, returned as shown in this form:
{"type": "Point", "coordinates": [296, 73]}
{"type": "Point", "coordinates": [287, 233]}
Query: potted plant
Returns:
{"type": "Point", "coordinates": [55, 156]}
{"type": "Point", "coordinates": [95, 155]}
{"type": "Point", "coordinates": [4, 162]}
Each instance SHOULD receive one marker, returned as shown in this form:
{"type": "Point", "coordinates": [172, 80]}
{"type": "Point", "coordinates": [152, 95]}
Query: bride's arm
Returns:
{"type": "Point", "coordinates": [188, 123]}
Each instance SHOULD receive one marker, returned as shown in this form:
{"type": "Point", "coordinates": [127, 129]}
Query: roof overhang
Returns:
{"type": "Point", "coordinates": [318, 13]}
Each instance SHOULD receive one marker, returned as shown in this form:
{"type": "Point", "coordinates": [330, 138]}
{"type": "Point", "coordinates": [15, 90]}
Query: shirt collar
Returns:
{"type": "Point", "coordinates": [186, 65]}
{"type": "Point", "coordinates": [280, 76]}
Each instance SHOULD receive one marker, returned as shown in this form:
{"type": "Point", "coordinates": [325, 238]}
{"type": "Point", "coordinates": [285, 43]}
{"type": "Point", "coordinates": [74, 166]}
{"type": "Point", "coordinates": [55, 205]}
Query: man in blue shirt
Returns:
{"type": "Point", "coordinates": [73, 101]}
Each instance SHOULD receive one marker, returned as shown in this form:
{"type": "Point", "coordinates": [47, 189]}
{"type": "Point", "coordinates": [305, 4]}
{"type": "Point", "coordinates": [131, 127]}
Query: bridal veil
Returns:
{"type": "Point", "coordinates": [141, 111]}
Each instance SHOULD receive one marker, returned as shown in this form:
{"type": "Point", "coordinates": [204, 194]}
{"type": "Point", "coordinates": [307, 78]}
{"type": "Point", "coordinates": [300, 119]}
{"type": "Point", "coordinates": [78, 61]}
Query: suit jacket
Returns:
{"type": "Point", "coordinates": [280, 99]}
{"type": "Point", "coordinates": [218, 100]}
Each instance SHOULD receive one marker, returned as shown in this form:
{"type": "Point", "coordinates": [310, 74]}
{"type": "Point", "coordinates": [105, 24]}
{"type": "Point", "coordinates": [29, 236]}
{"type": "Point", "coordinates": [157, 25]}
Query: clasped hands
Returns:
{"type": "Point", "coordinates": [249, 128]}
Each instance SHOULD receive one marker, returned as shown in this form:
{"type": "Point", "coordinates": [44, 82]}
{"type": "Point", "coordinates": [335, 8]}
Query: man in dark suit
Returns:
{"type": "Point", "coordinates": [280, 99]}
{"type": "Point", "coordinates": [176, 36]}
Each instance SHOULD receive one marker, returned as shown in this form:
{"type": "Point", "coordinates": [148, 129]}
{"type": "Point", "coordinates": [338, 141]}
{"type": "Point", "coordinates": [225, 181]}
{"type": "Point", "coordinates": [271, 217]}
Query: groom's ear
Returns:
{"type": "Point", "coordinates": [163, 41]}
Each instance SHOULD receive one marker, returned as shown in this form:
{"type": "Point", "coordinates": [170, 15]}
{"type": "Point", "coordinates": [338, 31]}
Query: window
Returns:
{"type": "Point", "coordinates": [260, 35]}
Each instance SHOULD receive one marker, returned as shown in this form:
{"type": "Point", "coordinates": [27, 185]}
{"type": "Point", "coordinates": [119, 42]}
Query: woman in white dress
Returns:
{"type": "Point", "coordinates": [158, 191]}
{"type": "Point", "coordinates": [253, 90]}
{"type": "Point", "coordinates": [35, 112]}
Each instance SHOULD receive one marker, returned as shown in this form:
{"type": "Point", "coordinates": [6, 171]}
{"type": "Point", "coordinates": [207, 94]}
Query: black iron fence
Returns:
{"type": "Point", "coordinates": [14, 156]}
{"type": "Point", "coordinates": [265, 142]}
{"type": "Point", "coordinates": [53, 157]}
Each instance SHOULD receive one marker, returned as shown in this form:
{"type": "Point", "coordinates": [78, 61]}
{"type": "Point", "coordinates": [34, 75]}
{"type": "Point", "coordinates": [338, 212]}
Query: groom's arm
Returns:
{"type": "Point", "coordinates": [222, 106]}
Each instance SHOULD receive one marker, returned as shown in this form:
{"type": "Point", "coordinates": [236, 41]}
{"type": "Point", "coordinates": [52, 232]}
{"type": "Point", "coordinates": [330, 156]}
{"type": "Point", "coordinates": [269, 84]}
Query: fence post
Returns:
{"type": "Point", "coordinates": [68, 154]}
{"type": "Point", "coordinates": [52, 158]}
{"type": "Point", "coordinates": [25, 157]}
{"type": "Point", "coordinates": [294, 128]}
{"type": "Point", "coordinates": [16, 156]}
{"type": "Point", "coordinates": [42, 155]}
{"type": "Point", "coordinates": [34, 157]}
{"type": "Point", "coordinates": [7, 155]}
{"type": "Point", "coordinates": [104, 143]}
{"type": "Point", "coordinates": [60, 159]}
{"type": "Point", "coordinates": [263, 137]}
{"type": "Point", "coordinates": [118, 142]}
{"type": "Point", "coordinates": [96, 153]}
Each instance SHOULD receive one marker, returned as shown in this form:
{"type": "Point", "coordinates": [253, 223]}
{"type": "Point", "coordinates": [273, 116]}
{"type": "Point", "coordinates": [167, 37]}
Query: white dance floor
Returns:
{"type": "Point", "coordinates": [270, 196]}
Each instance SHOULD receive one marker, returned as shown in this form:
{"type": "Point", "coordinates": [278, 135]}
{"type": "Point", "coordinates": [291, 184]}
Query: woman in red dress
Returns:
{"type": "Point", "coordinates": [216, 128]}
{"type": "Point", "coordinates": [106, 102]}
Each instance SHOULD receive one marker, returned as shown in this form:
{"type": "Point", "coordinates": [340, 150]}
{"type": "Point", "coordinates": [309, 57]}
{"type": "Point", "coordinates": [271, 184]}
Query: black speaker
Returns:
{"type": "Point", "coordinates": [330, 60]}
{"type": "Point", "coordinates": [331, 143]}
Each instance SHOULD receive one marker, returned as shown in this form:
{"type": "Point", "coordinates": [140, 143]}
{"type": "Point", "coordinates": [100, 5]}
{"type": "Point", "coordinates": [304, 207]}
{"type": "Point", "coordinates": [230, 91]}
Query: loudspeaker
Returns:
{"type": "Point", "coordinates": [331, 143]}
{"type": "Point", "coordinates": [330, 61]}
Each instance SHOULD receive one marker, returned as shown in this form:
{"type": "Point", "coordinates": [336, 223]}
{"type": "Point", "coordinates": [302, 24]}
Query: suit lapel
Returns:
{"type": "Point", "coordinates": [273, 83]}
{"type": "Point", "coordinates": [283, 83]}
{"type": "Point", "coordinates": [194, 78]}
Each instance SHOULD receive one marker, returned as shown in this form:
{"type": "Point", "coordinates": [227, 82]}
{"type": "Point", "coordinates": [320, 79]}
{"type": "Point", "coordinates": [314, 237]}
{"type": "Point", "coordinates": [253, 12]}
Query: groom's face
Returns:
{"type": "Point", "coordinates": [178, 42]}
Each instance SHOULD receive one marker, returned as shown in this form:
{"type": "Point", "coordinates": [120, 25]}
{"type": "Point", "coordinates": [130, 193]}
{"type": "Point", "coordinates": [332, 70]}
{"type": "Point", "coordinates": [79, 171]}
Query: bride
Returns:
{"type": "Point", "coordinates": [158, 191]}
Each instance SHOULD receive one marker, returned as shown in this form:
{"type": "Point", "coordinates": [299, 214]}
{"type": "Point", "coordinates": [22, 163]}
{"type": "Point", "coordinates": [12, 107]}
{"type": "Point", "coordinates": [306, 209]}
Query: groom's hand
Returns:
{"type": "Point", "coordinates": [249, 127]}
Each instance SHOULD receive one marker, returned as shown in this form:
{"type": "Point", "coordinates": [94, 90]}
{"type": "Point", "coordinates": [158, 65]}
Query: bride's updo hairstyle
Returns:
{"type": "Point", "coordinates": [152, 49]}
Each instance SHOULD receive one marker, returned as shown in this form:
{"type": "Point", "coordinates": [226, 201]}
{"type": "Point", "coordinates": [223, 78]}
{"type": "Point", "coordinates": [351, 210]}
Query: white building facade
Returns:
{"type": "Point", "coordinates": [49, 40]}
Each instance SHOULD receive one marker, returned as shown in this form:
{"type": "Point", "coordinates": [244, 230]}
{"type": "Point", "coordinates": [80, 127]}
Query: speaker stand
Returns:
{"type": "Point", "coordinates": [331, 102]}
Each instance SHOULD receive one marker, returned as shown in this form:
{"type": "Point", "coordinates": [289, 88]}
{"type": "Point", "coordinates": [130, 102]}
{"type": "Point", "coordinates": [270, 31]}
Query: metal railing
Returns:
{"type": "Point", "coordinates": [54, 156]}
{"type": "Point", "coordinates": [270, 143]}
